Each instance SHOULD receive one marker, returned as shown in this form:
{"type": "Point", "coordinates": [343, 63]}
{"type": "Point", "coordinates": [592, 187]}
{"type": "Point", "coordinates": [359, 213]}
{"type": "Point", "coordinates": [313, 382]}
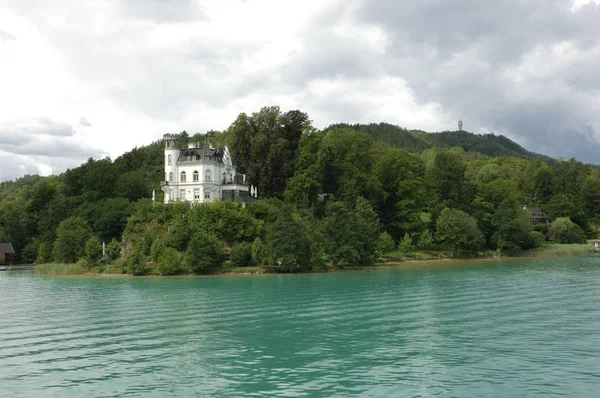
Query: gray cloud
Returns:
{"type": "Point", "coordinates": [163, 11]}
{"type": "Point", "coordinates": [32, 146]}
{"type": "Point", "coordinates": [468, 56]}
{"type": "Point", "coordinates": [37, 126]}
{"type": "Point", "coordinates": [84, 122]}
{"type": "Point", "coordinates": [6, 36]}
{"type": "Point", "coordinates": [16, 166]}
{"type": "Point", "coordinates": [526, 69]}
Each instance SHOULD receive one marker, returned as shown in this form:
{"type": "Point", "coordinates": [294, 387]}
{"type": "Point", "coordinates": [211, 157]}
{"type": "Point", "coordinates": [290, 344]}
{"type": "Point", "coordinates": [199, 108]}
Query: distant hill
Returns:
{"type": "Point", "coordinates": [416, 140]}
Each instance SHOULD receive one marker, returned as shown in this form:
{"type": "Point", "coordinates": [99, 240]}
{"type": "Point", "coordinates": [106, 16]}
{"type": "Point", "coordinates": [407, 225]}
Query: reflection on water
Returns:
{"type": "Point", "coordinates": [517, 328]}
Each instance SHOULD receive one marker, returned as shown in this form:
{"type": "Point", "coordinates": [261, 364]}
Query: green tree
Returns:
{"type": "Point", "coordinates": [204, 251]}
{"type": "Point", "coordinates": [560, 205]}
{"type": "Point", "coordinates": [340, 233]}
{"type": "Point", "coordinates": [44, 254]}
{"type": "Point", "coordinates": [71, 237]}
{"type": "Point", "coordinates": [345, 159]}
{"type": "Point", "coordinates": [288, 244]}
{"type": "Point", "coordinates": [401, 198]}
{"type": "Point", "coordinates": [425, 240]}
{"type": "Point", "coordinates": [406, 244]}
{"type": "Point", "coordinates": [113, 251]}
{"type": "Point", "coordinates": [169, 262]}
{"type": "Point", "coordinates": [459, 230]}
{"type": "Point", "coordinates": [385, 243]}
{"type": "Point", "coordinates": [241, 254]}
{"type": "Point", "coordinates": [512, 227]}
{"type": "Point", "coordinates": [563, 230]}
{"type": "Point", "coordinates": [590, 195]}
{"type": "Point", "coordinates": [99, 180]}
{"type": "Point", "coordinates": [367, 222]}
{"type": "Point", "coordinates": [265, 145]}
{"type": "Point", "coordinates": [93, 250]}
{"type": "Point", "coordinates": [258, 251]}
{"type": "Point", "coordinates": [448, 179]}
{"type": "Point", "coordinates": [136, 262]}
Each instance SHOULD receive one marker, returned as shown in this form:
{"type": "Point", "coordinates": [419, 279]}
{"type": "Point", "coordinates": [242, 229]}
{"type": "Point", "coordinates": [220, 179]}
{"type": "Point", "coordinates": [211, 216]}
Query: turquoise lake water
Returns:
{"type": "Point", "coordinates": [493, 329]}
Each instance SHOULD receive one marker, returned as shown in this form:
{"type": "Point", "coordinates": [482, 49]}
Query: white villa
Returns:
{"type": "Point", "coordinates": [199, 175]}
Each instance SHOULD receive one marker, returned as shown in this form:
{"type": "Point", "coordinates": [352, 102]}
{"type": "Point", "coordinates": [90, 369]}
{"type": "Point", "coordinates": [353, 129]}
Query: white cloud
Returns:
{"type": "Point", "coordinates": [139, 69]}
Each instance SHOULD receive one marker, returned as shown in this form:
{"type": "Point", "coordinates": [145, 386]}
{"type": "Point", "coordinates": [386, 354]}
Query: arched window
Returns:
{"type": "Point", "coordinates": [170, 177]}
{"type": "Point", "coordinates": [182, 177]}
{"type": "Point", "coordinates": [196, 176]}
{"type": "Point", "coordinates": [169, 160]}
{"type": "Point", "coordinates": [207, 175]}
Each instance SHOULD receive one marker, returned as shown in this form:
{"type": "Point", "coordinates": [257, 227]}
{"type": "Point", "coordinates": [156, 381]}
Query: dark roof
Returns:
{"type": "Point", "coordinates": [7, 248]}
{"type": "Point", "coordinates": [538, 214]}
{"type": "Point", "coordinates": [204, 153]}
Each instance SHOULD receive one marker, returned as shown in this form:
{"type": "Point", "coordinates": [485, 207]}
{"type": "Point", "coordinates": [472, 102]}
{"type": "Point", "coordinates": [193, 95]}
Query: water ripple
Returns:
{"type": "Point", "coordinates": [527, 328]}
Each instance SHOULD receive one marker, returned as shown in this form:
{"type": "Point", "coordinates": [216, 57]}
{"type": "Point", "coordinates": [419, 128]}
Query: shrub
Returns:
{"type": "Point", "coordinates": [136, 263]}
{"type": "Point", "coordinates": [71, 237]}
{"type": "Point", "coordinates": [258, 251]}
{"type": "Point", "coordinates": [84, 263]}
{"type": "Point", "coordinates": [406, 244]}
{"type": "Point", "coordinates": [241, 254]}
{"type": "Point", "coordinates": [157, 248]}
{"type": "Point", "coordinates": [563, 230]}
{"type": "Point", "coordinates": [44, 253]}
{"type": "Point", "coordinates": [93, 250]}
{"type": "Point", "coordinates": [29, 253]}
{"type": "Point", "coordinates": [113, 251]}
{"type": "Point", "coordinates": [169, 262]}
{"type": "Point", "coordinates": [204, 251]}
{"type": "Point", "coordinates": [385, 243]}
{"type": "Point", "coordinates": [425, 240]}
{"type": "Point", "coordinates": [538, 238]}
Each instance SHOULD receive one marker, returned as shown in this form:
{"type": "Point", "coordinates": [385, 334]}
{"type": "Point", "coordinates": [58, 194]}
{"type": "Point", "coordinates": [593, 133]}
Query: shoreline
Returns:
{"type": "Point", "coordinates": [260, 271]}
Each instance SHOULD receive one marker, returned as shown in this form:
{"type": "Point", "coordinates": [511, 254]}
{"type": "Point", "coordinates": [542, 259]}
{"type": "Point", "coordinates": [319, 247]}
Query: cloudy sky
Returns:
{"type": "Point", "coordinates": [83, 79]}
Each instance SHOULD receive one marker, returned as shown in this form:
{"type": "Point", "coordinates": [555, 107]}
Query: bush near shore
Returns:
{"type": "Point", "coordinates": [80, 268]}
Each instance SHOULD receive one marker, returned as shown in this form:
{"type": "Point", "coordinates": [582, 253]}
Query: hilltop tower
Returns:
{"type": "Point", "coordinates": [460, 125]}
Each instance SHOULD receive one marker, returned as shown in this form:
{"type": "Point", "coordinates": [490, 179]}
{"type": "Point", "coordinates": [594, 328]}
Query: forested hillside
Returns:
{"type": "Point", "coordinates": [339, 196]}
{"type": "Point", "coordinates": [417, 140]}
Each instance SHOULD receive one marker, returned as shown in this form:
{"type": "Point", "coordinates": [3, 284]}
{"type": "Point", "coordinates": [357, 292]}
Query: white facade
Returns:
{"type": "Point", "coordinates": [199, 175]}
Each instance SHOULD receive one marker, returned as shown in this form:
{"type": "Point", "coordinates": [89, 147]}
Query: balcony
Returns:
{"type": "Point", "coordinates": [237, 179]}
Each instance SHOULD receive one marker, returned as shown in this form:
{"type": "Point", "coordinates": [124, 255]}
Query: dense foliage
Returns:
{"type": "Point", "coordinates": [342, 196]}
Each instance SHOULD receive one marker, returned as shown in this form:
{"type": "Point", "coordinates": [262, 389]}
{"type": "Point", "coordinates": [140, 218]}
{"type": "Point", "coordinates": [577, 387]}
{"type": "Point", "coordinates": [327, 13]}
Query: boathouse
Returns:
{"type": "Point", "coordinates": [6, 250]}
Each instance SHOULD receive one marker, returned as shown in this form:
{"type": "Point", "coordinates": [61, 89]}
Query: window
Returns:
{"type": "Point", "coordinates": [169, 160]}
{"type": "Point", "coordinates": [197, 194]}
{"type": "Point", "coordinates": [206, 194]}
{"type": "Point", "coordinates": [170, 177]}
{"type": "Point", "coordinates": [182, 179]}
{"type": "Point", "coordinates": [207, 175]}
{"type": "Point", "coordinates": [182, 194]}
{"type": "Point", "coordinates": [196, 175]}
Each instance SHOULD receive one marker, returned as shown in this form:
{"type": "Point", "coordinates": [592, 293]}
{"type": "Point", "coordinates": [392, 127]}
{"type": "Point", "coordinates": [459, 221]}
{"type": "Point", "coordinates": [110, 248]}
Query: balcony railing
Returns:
{"type": "Point", "coordinates": [238, 179]}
